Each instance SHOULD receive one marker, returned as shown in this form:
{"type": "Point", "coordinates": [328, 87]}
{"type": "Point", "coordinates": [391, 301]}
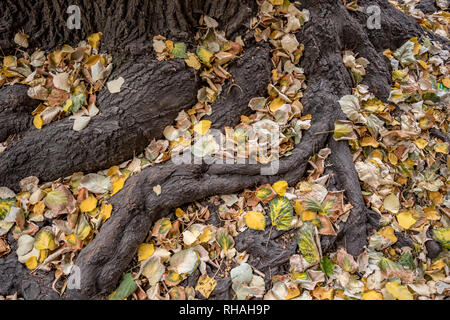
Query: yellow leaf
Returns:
{"type": "Point", "coordinates": [71, 239]}
{"type": "Point", "coordinates": [169, 45]}
{"type": "Point", "coordinates": [9, 61]}
{"type": "Point", "coordinates": [392, 158]}
{"type": "Point", "coordinates": [423, 64]}
{"type": "Point", "coordinates": [293, 292]}
{"type": "Point", "coordinates": [45, 240]}
{"type": "Point", "coordinates": [245, 119]}
{"type": "Point", "coordinates": [372, 295]}
{"type": "Point", "coordinates": [406, 220]}
{"type": "Point", "coordinates": [399, 291]}
{"type": "Point", "coordinates": [436, 197]}
{"type": "Point", "coordinates": [388, 54]}
{"type": "Point", "coordinates": [42, 256]}
{"type": "Point", "coordinates": [179, 212]}
{"type": "Point", "coordinates": [83, 229]}
{"type": "Point", "coordinates": [441, 147]}
{"type": "Point", "coordinates": [276, 2]}
{"type": "Point", "coordinates": [421, 143]}
{"type": "Point", "coordinates": [205, 236]}
{"type": "Point", "coordinates": [145, 251]}
{"type": "Point", "coordinates": [205, 285]}
{"type": "Point", "coordinates": [94, 39]}
{"type": "Point", "coordinates": [369, 141]}
{"type": "Point", "coordinates": [446, 82]}
{"type": "Point", "coordinates": [308, 215]}
{"type": "Point", "coordinates": [106, 211]}
{"type": "Point", "coordinates": [39, 207]}
{"type": "Point", "coordinates": [202, 127]}
{"type": "Point", "coordinates": [37, 121]}
{"type": "Point", "coordinates": [280, 187]}
{"type": "Point", "coordinates": [255, 220]}
{"type": "Point", "coordinates": [276, 104]}
{"type": "Point", "coordinates": [298, 208]}
{"type": "Point", "coordinates": [113, 171]}
{"type": "Point", "coordinates": [437, 265]}
{"type": "Point", "coordinates": [388, 232]}
{"type": "Point", "coordinates": [193, 61]}
{"type": "Point", "coordinates": [31, 263]}
{"type": "Point", "coordinates": [67, 105]}
{"type": "Point", "coordinates": [89, 204]}
{"type": "Point", "coordinates": [118, 185]}
{"type": "Point", "coordinates": [204, 54]}
{"type": "Point", "coordinates": [432, 214]}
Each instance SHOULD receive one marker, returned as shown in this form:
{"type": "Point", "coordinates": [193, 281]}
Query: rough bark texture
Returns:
{"type": "Point", "coordinates": [160, 89]}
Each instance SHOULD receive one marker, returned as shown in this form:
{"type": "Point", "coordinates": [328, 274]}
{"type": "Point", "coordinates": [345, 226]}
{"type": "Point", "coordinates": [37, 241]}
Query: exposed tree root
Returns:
{"type": "Point", "coordinates": [331, 30]}
{"type": "Point", "coordinates": [127, 122]}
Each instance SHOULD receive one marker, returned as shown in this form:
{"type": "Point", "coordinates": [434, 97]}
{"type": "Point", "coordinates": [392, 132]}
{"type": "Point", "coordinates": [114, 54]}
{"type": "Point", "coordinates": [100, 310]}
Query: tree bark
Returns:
{"type": "Point", "coordinates": [159, 90]}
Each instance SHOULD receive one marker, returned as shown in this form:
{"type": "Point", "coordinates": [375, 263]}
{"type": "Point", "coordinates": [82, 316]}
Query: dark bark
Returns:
{"type": "Point", "coordinates": [128, 26]}
{"type": "Point", "coordinates": [15, 110]}
{"type": "Point", "coordinates": [131, 118]}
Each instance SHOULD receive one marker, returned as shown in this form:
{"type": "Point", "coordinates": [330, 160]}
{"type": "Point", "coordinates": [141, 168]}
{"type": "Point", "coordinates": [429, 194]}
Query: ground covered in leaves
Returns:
{"type": "Point", "coordinates": [399, 148]}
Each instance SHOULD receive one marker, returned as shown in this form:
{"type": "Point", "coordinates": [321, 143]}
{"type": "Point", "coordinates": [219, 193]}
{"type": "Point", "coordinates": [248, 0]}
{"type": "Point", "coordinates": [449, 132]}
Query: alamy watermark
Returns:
{"type": "Point", "coordinates": [236, 147]}
{"type": "Point", "coordinates": [74, 20]}
{"type": "Point", "coordinates": [374, 20]}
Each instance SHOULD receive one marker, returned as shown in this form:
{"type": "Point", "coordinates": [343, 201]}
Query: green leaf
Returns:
{"type": "Point", "coordinates": [443, 236]}
{"type": "Point", "coordinates": [281, 213]}
{"type": "Point", "coordinates": [322, 208]}
{"type": "Point", "coordinates": [179, 50]}
{"type": "Point", "coordinates": [407, 261]}
{"type": "Point", "coordinates": [327, 266]}
{"type": "Point", "coordinates": [265, 193]}
{"type": "Point", "coordinates": [224, 239]}
{"type": "Point", "coordinates": [307, 243]}
{"type": "Point", "coordinates": [125, 289]}
{"type": "Point", "coordinates": [204, 54]}
{"type": "Point", "coordinates": [55, 197]}
{"type": "Point", "coordinates": [343, 130]}
{"type": "Point", "coordinates": [5, 206]}
{"type": "Point", "coordinates": [78, 99]}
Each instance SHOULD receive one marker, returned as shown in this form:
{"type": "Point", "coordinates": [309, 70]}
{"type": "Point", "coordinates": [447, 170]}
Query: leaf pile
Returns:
{"type": "Point", "coordinates": [176, 247]}
{"type": "Point", "coordinates": [277, 117]}
{"type": "Point", "coordinates": [65, 80]}
{"type": "Point", "coordinates": [438, 22]}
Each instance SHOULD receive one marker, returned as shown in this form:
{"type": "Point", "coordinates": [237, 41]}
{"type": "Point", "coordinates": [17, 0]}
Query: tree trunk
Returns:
{"type": "Point", "coordinates": [157, 91]}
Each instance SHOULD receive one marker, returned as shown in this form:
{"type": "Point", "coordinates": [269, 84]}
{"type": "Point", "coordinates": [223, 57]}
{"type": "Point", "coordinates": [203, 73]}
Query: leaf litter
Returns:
{"type": "Point", "coordinates": [402, 166]}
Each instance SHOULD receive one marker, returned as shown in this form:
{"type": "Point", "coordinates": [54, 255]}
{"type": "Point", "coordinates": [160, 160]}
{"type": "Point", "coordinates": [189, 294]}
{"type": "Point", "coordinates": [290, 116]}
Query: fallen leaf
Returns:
{"type": "Point", "coordinates": [114, 86]}
{"type": "Point", "coordinates": [255, 220]}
